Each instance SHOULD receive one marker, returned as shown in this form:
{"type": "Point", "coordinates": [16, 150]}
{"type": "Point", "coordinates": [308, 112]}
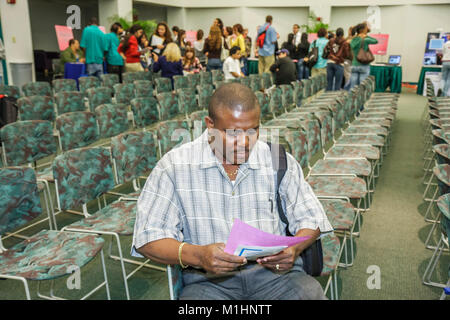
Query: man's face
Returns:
{"type": "Point", "coordinates": [295, 29]}
{"type": "Point", "coordinates": [282, 55]}
{"type": "Point", "coordinates": [233, 134]}
{"type": "Point", "coordinates": [237, 55]}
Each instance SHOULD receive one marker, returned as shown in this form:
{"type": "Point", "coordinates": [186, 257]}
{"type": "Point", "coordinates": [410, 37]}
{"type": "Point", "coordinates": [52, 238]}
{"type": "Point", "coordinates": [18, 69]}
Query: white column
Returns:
{"type": "Point", "coordinates": [109, 8]}
{"type": "Point", "coordinates": [17, 35]}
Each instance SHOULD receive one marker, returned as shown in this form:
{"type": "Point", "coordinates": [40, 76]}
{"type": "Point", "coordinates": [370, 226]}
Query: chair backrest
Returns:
{"type": "Point", "coordinates": [187, 101]}
{"type": "Point", "coordinates": [266, 80]}
{"type": "Point", "coordinates": [27, 141]}
{"type": "Point", "coordinates": [175, 279]}
{"type": "Point", "coordinates": [88, 82]}
{"type": "Point", "coordinates": [76, 129]}
{"type": "Point", "coordinates": [134, 153]}
{"type": "Point", "coordinates": [109, 79]}
{"type": "Point", "coordinates": [264, 104]}
{"type": "Point", "coordinates": [99, 96]}
{"type": "Point", "coordinates": [198, 122]}
{"type": "Point", "coordinates": [38, 88]}
{"type": "Point", "coordinates": [144, 88]}
{"type": "Point", "coordinates": [245, 81]}
{"type": "Point", "coordinates": [130, 77]}
{"type": "Point", "coordinates": [218, 84]}
{"type": "Point", "coordinates": [442, 173]}
{"type": "Point", "coordinates": [36, 108]}
{"type": "Point", "coordinates": [82, 175]}
{"type": "Point", "coordinates": [168, 105]}
{"type": "Point", "coordinates": [69, 101]}
{"type": "Point", "coordinates": [255, 82]}
{"type": "Point", "coordinates": [124, 92]}
{"type": "Point", "coordinates": [145, 111]}
{"type": "Point", "coordinates": [307, 92]}
{"type": "Point", "coordinates": [12, 91]}
{"type": "Point", "coordinates": [298, 92]}
{"type": "Point", "coordinates": [216, 75]}
{"type": "Point", "coordinates": [287, 96]}
{"type": "Point", "coordinates": [20, 202]}
{"type": "Point", "coordinates": [180, 82]}
{"type": "Point", "coordinates": [171, 134]}
{"type": "Point", "coordinates": [60, 85]}
{"type": "Point", "coordinates": [112, 119]}
{"type": "Point", "coordinates": [206, 77]}
{"type": "Point", "coordinates": [163, 85]}
{"type": "Point", "coordinates": [442, 153]}
{"type": "Point", "coordinates": [193, 80]}
{"type": "Point", "coordinates": [148, 75]}
{"type": "Point", "coordinates": [276, 105]}
{"type": "Point", "coordinates": [205, 93]}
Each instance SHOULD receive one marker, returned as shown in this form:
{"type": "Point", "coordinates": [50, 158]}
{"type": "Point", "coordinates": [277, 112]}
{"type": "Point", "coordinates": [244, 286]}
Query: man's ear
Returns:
{"type": "Point", "coordinates": [209, 122]}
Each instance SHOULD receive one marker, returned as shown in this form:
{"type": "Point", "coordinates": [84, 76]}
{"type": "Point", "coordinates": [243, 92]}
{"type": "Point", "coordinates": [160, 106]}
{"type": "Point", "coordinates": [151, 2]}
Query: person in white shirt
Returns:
{"type": "Point", "coordinates": [232, 65]}
{"type": "Point", "coordinates": [446, 68]}
{"type": "Point", "coordinates": [297, 35]}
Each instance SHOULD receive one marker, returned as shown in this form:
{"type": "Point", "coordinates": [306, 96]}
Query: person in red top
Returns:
{"type": "Point", "coordinates": [129, 49]}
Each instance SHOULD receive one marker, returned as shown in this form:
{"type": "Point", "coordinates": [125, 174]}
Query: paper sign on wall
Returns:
{"type": "Point", "coordinates": [191, 36]}
{"type": "Point", "coordinates": [312, 37]}
{"type": "Point", "coordinates": [102, 28]}
{"type": "Point", "coordinates": [381, 47]}
{"type": "Point", "coordinates": [63, 35]}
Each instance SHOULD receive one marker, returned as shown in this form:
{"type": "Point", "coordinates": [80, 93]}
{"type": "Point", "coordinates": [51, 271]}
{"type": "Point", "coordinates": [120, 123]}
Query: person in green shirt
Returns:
{"type": "Point", "coordinates": [72, 54]}
{"type": "Point", "coordinates": [113, 58]}
{"type": "Point", "coordinates": [360, 71]}
{"type": "Point", "coordinates": [93, 42]}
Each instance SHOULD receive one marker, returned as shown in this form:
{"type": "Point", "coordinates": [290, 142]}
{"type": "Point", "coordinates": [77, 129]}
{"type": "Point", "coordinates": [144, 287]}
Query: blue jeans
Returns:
{"type": "Point", "coordinates": [244, 68]}
{"type": "Point", "coordinates": [214, 64]}
{"type": "Point", "coordinates": [302, 70]}
{"type": "Point", "coordinates": [446, 78]}
{"type": "Point", "coordinates": [359, 74]}
{"type": "Point", "coordinates": [94, 69]}
{"type": "Point", "coordinates": [335, 74]}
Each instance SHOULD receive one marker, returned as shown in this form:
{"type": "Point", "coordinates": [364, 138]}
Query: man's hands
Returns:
{"type": "Point", "coordinates": [215, 260]}
{"type": "Point", "coordinates": [284, 259]}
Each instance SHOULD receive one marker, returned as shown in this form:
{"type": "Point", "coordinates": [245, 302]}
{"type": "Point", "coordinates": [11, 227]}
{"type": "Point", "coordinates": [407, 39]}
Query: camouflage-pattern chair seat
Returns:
{"type": "Point", "coordinates": [276, 104]}
{"type": "Point", "coordinates": [76, 129]}
{"type": "Point", "coordinates": [144, 88]}
{"type": "Point", "coordinates": [443, 204]}
{"type": "Point", "coordinates": [245, 81]}
{"type": "Point", "coordinates": [112, 119]}
{"type": "Point", "coordinates": [145, 111]}
{"type": "Point", "coordinates": [60, 85]}
{"type": "Point", "coordinates": [131, 77]}
{"type": "Point", "coordinates": [375, 114]}
{"type": "Point", "coordinates": [109, 80]}
{"type": "Point", "coordinates": [330, 248]}
{"type": "Point", "coordinates": [216, 75]}
{"type": "Point", "coordinates": [345, 186]}
{"type": "Point", "coordinates": [298, 92]}
{"type": "Point", "coordinates": [193, 80]}
{"type": "Point", "coordinates": [118, 217]}
{"type": "Point", "coordinates": [443, 153]}
{"type": "Point", "coordinates": [47, 255]}
{"type": "Point", "coordinates": [38, 88]}
{"type": "Point", "coordinates": [264, 105]}
{"type": "Point", "coordinates": [266, 80]}
{"type": "Point", "coordinates": [168, 105]}
{"type": "Point", "coordinates": [124, 93]}
{"type": "Point", "coordinates": [36, 108]}
{"type": "Point", "coordinates": [180, 82]}
{"type": "Point", "coordinates": [287, 96]}
{"type": "Point", "coordinates": [187, 101]}
{"type": "Point", "coordinates": [371, 122]}
{"type": "Point", "coordinates": [205, 93]}
{"type": "Point", "coordinates": [255, 82]}
{"type": "Point", "coordinates": [9, 90]}
{"type": "Point", "coordinates": [440, 124]}
{"type": "Point", "coordinates": [163, 85]}
{"type": "Point", "coordinates": [359, 167]}
{"type": "Point", "coordinates": [374, 140]}
{"type": "Point", "coordinates": [88, 82]}
{"type": "Point", "coordinates": [340, 213]}
{"type": "Point", "coordinates": [206, 77]}
{"type": "Point", "coordinates": [378, 130]}
{"type": "Point", "coordinates": [442, 173]}
{"type": "Point", "coordinates": [389, 110]}
{"type": "Point", "coordinates": [198, 123]}
{"type": "Point", "coordinates": [165, 132]}
{"type": "Point", "coordinates": [99, 96]}
{"type": "Point", "coordinates": [69, 101]}
{"type": "Point", "coordinates": [440, 136]}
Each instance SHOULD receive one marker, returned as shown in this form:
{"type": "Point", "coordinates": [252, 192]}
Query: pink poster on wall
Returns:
{"type": "Point", "coordinates": [312, 37]}
{"type": "Point", "coordinates": [63, 35]}
{"type": "Point", "coordinates": [191, 36]}
{"type": "Point", "coordinates": [381, 47]}
{"type": "Point", "coordinates": [102, 28]}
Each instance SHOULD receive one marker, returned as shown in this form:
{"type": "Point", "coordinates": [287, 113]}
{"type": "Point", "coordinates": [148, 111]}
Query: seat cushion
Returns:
{"type": "Point", "coordinates": [442, 172]}
{"type": "Point", "coordinates": [118, 217]}
{"type": "Point", "coordinates": [443, 204]}
{"type": "Point", "coordinates": [368, 152]}
{"type": "Point", "coordinates": [373, 140]}
{"type": "Point", "coordinates": [360, 167]}
{"type": "Point", "coordinates": [49, 254]}
{"type": "Point", "coordinates": [379, 130]}
{"type": "Point", "coordinates": [370, 122]}
{"type": "Point", "coordinates": [330, 248]}
{"type": "Point", "coordinates": [326, 186]}
{"type": "Point", "coordinates": [340, 213]}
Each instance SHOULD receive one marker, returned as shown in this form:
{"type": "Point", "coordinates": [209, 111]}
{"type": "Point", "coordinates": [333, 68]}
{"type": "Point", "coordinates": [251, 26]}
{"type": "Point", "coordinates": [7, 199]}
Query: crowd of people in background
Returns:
{"type": "Point", "coordinates": [227, 48]}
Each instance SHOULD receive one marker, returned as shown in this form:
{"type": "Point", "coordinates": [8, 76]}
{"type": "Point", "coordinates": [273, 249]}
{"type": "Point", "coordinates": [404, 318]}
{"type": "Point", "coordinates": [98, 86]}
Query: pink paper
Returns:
{"type": "Point", "coordinates": [312, 37]}
{"type": "Point", "coordinates": [381, 47]}
{"type": "Point", "coordinates": [63, 34]}
{"type": "Point", "coordinates": [244, 234]}
{"type": "Point", "coordinates": [102, 28]}
{"type": "Point", "coordinates": [191, 36]}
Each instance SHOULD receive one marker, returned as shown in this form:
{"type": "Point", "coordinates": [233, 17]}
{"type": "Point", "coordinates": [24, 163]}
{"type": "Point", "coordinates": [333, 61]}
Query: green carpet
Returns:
{"type": "Point", "coordinates": [392, 234]}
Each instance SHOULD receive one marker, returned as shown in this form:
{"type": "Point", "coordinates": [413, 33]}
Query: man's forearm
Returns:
{"type": "Point", "coordinates": [314, 234]}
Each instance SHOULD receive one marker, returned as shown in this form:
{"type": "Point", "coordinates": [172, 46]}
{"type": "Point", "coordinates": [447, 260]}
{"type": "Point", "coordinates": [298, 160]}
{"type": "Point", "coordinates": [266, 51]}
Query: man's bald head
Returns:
{"type": "Point", "coordinates": [234, 97]}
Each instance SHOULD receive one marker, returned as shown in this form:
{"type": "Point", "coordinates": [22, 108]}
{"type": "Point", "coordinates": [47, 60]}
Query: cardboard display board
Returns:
{"type": "Point", "coordinates": [191, 36]}
{"type": "Point", "coordinates": [381, 47]}
{"type": "Point", "coordinates": [63, 35]}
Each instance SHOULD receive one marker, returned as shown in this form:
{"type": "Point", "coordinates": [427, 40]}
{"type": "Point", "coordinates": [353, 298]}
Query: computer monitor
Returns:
{"type": "Point", "coordinates": [394, 59]}
{"type": "Point", "coordinates": [436, 44]}
{"type": "Point", "coordinates": [429, 58]}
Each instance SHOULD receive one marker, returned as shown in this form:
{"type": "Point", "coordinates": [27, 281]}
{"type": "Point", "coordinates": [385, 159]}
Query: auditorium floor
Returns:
{"type": "Point", "coordinates": [392, 237]}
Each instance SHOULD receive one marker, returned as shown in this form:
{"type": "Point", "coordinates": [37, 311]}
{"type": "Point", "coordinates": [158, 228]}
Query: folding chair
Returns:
{"type": "Point", "coordinates": [69, 101]}
{"type": "Point", "coordinates": [61, 85]}
{"type": "Point", "coordinates": [88, 82]}
{"type": "Point", "coordinates": [180, 82]}
{"type": "Point", "coordinates": [99, 96]}
{"type": "Point", "coordinates": [124, 93]}
{"type": "Point", "coordinates": [171, 134]}
{"type": "Point", "coordinates": [112, 119]}
{"type": "Point", "coordinates": [206, 77]}
{"type": "Point", "coordinates": [145, 111]}
{"type": "Point", "coordinates": [187, 101]}
{"type": "Point", "coordinates": [36, 108]}
{"type": "Point", "coordinates": [131, 77]}
{"type": "Point", "coordinates": [144, 88]}
{"type": "Point", "coordinates": [109, 80]}
{"type": "Point", "coordinates": [163, 85]}
{"type": "Point", "coordinates": [204, 95]}
{"type": "Point", "coordinates": [76, 130]}
{"type": "Point", "coordinates": [9, 90]}
{"type": "Point", "coordinates": [168, 105]}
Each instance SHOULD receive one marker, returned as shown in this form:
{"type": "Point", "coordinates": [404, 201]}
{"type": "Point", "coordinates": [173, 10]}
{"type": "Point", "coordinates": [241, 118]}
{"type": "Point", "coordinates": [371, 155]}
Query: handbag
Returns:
{"type": "Point", "coordinates": [313, 56]}
{"type": "Point", "coordinates": [312, 256]}
{"type": "Point", "coordinates": [364, 57]}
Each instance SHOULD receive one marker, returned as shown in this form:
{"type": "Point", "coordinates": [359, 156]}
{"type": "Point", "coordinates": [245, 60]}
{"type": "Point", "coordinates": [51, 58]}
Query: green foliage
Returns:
{"type": "Point", "coordinates": [314, 24]}
{"type": "Point", "coordinates": [149, 26]}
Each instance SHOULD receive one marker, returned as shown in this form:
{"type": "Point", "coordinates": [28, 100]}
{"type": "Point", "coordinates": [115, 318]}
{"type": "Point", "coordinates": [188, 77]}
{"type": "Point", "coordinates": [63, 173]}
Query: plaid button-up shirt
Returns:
{"type": "Point", "coordinates": [189, 197]}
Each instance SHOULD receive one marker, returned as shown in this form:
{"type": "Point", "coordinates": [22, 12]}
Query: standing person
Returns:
{"type": "Point", "coordinates": [213, 48]}
{"type": "Point", "coordinates": [175, 31]}
{"type": "Point", "coordinates": [360, 71]}
{"type": "Point", "coordinates": [129, 48]}
{"type": "Point", "coordinates": [284, 68]}
{"type": "Point", "coordinates": [339, 51]}
{"type": "Point", "coordinates": [237, 39]}
{"type": "Point", "coordinates": [160, 39]}
{"type": "Point", "coordinates": [290, 47]}
{"type": "Point", "coordinates": [72, 54]}
{"type": "Point", "coordinates": [191, 64]}
{"type": "Point", "coordinates": [218, 22]}
{"type": "Point", "coordinates": [181, 42]}
{"type": "Point", "coordinates": [93, 42]}
{"type": "Point", "coordinates": [198, 46]}
{"type": "Point", "coordinates": [145, 52]}
{"type": "Point", "coordinates": [169, 62]}
{"type": "Point", "coordinates": [302, 49]}
{"type": "Point", "coordinates": [267, 50]}
{"type": "Point", "coordinates": [297, 34]}
{"type": "Point", "coordinates": [446, 68]}
{"type": "Point", "coordinates": [232, 65]}
{"type": "Point", "coordinates": [348, 61]}
{"type": "Point", "coordinates": [248, 43]}
{"type": "Point", "coordinates": [320, 43]}
{"type": "Point", "coordinates": [226, 45]}
{"type": "Point", "coordinates": [113, 59]}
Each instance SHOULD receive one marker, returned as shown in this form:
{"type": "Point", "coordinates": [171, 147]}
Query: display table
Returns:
{"type": "Point", "coordinates": [252, 66]}
{"type": "Point", "coordinates": [74, 70]}
{"type": "Point", "coordinates": [387, 76]}
{"type": "Point", "coordinates": [424, 70]}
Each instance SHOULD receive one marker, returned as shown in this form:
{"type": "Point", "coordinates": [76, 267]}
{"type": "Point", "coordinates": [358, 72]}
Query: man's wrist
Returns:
{"type": "Point", "coordinates": [192, 254]}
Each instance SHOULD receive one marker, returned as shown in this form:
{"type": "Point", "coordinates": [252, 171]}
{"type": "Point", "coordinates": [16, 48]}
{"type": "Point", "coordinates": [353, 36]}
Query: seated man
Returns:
{"type": "Point", "coordinates": [186, 209]}
{"type": "Point", "coordinates": [232, 65]}
{"type": "Point", "coordinates": [284, 68]}
{"type": "Point", "coordinates": [73, 53]}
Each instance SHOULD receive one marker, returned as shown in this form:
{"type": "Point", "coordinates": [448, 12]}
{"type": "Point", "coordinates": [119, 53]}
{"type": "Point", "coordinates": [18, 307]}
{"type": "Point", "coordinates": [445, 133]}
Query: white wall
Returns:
{"type": "Point", "coordinates": [150, 12]}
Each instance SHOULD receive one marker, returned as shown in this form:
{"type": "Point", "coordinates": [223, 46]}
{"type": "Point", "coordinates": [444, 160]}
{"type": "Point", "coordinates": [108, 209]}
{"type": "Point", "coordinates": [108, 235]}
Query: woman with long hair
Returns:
{"type": "Point", "coordinates": [302, 52]}
{"type": "Point", "coordinates": [213, 48]}
{"type": "Point", "coordinates": [237, 39]}
{"type": "Point", "coordinates": [169, 63]}
{"type": "Point", "coordinates": [226, 46]}
{"type": "Point", "coordinates": [181, 41]}
{"type": "Point", "coordinates": [162, 31]}
{"type": "Point", "coordinates": [191, 64]}
{"type": "Point", "coordinates": [199, 45]}
{"type": "Point", "coordinates": [129, 49]}
{"type": "Point", "coordinates": [114, 60]}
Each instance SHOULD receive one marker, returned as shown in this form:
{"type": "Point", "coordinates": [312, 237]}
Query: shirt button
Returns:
{"type": "Point", "coordinates": [232, 193]}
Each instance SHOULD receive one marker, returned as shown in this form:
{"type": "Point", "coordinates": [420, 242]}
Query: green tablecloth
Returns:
{"type": "Point", "coordinates": [422, 77]}
{"type": "Point", "coordinates": [252, 66]}
{"type": "Point", "coordinates": [387, 76]}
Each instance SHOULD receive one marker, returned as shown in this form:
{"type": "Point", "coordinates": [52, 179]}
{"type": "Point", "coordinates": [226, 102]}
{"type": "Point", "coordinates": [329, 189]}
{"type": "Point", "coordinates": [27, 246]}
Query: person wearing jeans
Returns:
{"type": "Point", "coordinates": [213, 48]}
{"type": "Point", "coordinates": [94, 44]}
{"type": "Point", "coordinates": [303, 71]}
{"type": "Point", "coordinates": [359, 73]}
{"type": "Point", "coordinates": [339, 51]}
